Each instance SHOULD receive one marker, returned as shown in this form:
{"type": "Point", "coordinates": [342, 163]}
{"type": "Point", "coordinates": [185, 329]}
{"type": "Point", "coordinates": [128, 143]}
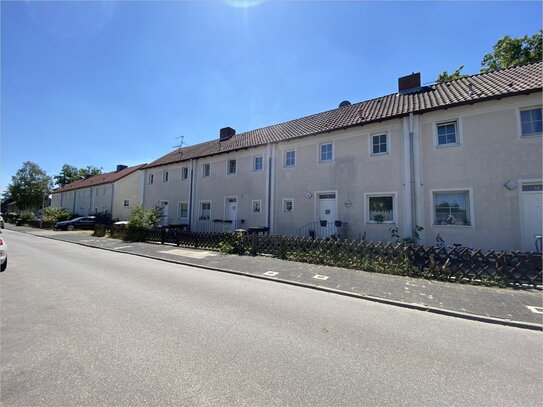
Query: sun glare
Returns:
{"type": "Point", "coordinates": [243, 3]}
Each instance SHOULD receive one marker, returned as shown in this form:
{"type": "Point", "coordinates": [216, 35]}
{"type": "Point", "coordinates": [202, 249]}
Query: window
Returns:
{"type": "Point", "coordinates": [231, 167]}
{"type": "Point", "coordinates": [451, 208]}
{"type": "Point", "coordinates": [206, 170]}
{"type": "Point", "coordinates": [165, 176]}
{"type": "Point", "coordinates": [380, 208]}
{"type": "Point", "coordinates": [184, 173]}
{"type": "Point", "coordinates": [151, 178]}
{"type": "Point", "coordinates": [182, 210]}
{"type": "Point", "coordinates": [379, 144]}
{"type": "Point", "coordinates": [205, 210]}
{"type": "Point", "coordinates": [257, 206]}
{"type": "Point", "coordinates": [288, 205]}
{"type": "Point", "coordinates": [126, 203]}
{"type": "Point", "coordinates": [290, 158]}
{"type": "Point", "coordinates": [447, 134]}
{"type": "Point", "coordinates": [257, 163]}
{"type": "Point", "coordinates": [326, 152]}
{"type": "Point", "coordinates": [104, 191]}
{"type": "Point", "coordinates": [530, 122]}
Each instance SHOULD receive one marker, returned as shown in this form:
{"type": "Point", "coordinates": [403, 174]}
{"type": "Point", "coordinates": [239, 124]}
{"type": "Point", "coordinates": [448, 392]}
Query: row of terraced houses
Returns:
{"type": "Point", "coordinates": [461, 158]}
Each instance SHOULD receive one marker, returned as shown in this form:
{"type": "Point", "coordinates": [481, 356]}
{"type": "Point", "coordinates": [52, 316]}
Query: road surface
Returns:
{"type": "Point", "coordinates": [88, 327]}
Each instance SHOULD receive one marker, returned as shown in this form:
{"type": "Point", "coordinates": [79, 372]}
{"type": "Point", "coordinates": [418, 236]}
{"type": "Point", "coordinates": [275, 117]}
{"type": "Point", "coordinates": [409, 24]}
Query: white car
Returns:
{"type": "Point", "coordinates": [1, 222]}
{"type": "Point", "coordinates": [3, 253]}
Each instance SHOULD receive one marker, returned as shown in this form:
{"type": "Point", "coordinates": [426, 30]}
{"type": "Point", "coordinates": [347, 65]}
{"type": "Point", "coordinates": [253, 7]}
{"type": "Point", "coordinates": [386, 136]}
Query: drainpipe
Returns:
{"type": "Point", "coordinates": [412, 179]}
{"type": "Point", "coordinates": [190, 192]}
{"type": "Point", "coordinates": [268, 187]}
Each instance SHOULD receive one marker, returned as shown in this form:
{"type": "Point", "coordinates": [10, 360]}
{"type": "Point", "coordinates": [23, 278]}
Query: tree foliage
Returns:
{"type": "Point", "coordinates": [30, 186]}
{"type": "Point", "coordinates": [509, 52]}
{"type": "Point", "coordinates": [69, 174]}
{"type": "Point", "coordinates": [51, 214]}
{"type": "Point", "coordinates": [446, 76]}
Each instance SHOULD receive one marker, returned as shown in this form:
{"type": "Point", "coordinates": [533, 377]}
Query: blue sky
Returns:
{"type": "Point", "coordinates": [107, 83]}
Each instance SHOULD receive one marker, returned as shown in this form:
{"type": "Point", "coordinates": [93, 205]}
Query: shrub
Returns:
{"type": "Point", "coordinates": [56, 214]}
{"type": "Point", "coordinates": [141, 218]}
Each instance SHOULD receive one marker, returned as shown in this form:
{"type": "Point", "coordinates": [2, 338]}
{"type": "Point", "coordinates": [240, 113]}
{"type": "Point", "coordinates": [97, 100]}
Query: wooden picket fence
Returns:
{"type": "Point", "coordinates": [458, 264]}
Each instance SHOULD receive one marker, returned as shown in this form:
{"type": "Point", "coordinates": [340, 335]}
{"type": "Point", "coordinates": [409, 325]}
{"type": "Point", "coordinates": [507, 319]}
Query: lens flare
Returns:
{"type": "Point", "coordinates": [243, 3]}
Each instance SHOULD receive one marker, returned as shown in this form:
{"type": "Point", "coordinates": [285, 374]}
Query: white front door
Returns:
{"type": "Point", "coordinates": [231, 213]}
{"type": "Point", "coordinates": [327, 214]}
{"type": "Point", "coordinates": [165, 212]}
{"type": "Point", "coordinates": [531, 197]}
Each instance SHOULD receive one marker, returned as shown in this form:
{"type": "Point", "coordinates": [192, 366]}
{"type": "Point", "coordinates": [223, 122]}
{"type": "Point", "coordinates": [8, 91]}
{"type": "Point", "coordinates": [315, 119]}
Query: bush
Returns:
{"type": "Point", "coordinates": [235, 243]}
{"type": "Point", "coordinates": [56, 214]}
{"type": "Point", "coordinates": [141, 218]}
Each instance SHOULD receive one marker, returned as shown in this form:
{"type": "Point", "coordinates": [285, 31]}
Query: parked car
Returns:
{"type": "Point", "coordinates": [84, 222]}
{"type": "Point", "coordinates": [2, 222]}
{"type": "Point", "coordinates": [3, 254]}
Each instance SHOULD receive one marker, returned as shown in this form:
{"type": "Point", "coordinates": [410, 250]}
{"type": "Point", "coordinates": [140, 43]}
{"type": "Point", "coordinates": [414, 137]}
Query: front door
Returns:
{"type": "Point", "coordinates": [531, 197]}
{"type": "Point", "coordinates": [327, 214]}
{"type": "Point", "coordinates": [231, 213]}
{"type": "Point", "coordinates": [165, 213]}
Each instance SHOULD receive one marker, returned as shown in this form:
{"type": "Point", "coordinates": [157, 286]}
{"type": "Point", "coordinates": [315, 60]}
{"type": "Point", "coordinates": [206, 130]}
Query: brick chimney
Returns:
{"type": "Point", "coordinates": [226, 133]}
{"type": "Point", "coordinates": [409, 83]}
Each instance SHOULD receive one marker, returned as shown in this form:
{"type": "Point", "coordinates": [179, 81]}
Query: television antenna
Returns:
{"type": "Point", "coordinates": [181, 142]}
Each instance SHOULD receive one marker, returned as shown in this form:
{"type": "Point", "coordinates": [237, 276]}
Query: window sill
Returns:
{"type": "Point", "coordinates": [378, 154]}
{"type": "Point", "coordinates": [390, 222]}
{"type": "Point", "coordinates": [452, 226]}
{"type": "Point", "coordinates": [528, 136]}
{"type": "Point", "coordinates": [445, 146]}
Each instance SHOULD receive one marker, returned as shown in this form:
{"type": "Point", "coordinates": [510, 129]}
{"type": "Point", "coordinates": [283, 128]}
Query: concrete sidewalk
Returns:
{"type": "Point", "coordinates": [514, 307]}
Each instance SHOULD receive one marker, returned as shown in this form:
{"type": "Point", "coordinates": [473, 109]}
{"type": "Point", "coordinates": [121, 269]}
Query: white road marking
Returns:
{"type": "Point", "coordinates": [270, 273]}
{"type": "Point", "coordinates": [121, 247]}
{"type": "Point", "coordinates": [193, 254]}
{"type": "Point", "coordinates": [535, 310]}
{"type": "Point", "coordinates": [320, 277]}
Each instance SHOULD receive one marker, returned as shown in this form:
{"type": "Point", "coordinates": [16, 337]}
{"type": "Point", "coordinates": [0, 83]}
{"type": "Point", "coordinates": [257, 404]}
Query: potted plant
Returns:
{"type": "Point", "coordinates": [338, 223]}
{"type": "Point", "coordinates": [379, 218]}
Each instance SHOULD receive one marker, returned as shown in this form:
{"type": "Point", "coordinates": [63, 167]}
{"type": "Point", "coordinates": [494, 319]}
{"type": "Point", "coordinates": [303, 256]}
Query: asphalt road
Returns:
{"type": "Point", "coordinates": [81, 326]}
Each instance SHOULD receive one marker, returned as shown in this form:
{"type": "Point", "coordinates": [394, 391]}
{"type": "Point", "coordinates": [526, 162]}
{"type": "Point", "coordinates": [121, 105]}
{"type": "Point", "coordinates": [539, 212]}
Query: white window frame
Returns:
{"type": "Point", "coordinates": [228, 172]}
{"type": "Point", "coordinates": [387, 141]}
{"type": "Point", "coordinates": [471, 219]}
{"type": "Point", "coordinates": [200, 203]}
{"type": "Point", "coordinates": [126, 203]}
{"type": "Point", "coordinates": [369, 195]}
{"type": "Point", "coordinates": [283, 206]}
{"type": "Point", "coordinates": [519, 122]}
{"type": "Point", "coordinates": [285, 154]}
{"type": "Point", "coordinates": [259, 201]}
{"type": "Point", "coordinates": [179, 203]}
{"type": "Point", "coordinates": [184, 173]}
{"type": "Point", "coordinates": [331, 159]}
{"type": "Point", "coordinates": [458, 133]}
{"type": "Point", "coordinates": [165, 176]}
{"type": "Point", "coordinates": [204, 166]}
{"type": "Point", "coordinates": [261, 163]}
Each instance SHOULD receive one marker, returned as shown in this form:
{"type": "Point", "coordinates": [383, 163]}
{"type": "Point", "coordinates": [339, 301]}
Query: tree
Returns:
{"type": "Point", "coordinates": [509, 52]}
{"type": "Point", "coordinates": [446, 76]}
{"type": "Point", "coordinates": [89, 171]}
{"type": "Point", "coordinates": [29, 186]}
{"type": "Point", "coordinates": [69, 174]}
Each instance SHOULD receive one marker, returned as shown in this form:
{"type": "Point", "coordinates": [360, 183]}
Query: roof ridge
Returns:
{"type": "Point", "coordinates": [486, 73]}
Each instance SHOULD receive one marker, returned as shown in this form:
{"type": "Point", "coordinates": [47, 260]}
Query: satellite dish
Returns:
{"type": "Point", "coordinates": [345, 103]}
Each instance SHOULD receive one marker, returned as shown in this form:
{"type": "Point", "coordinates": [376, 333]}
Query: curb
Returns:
{"type": "Point", "coordinates": [413, 306]}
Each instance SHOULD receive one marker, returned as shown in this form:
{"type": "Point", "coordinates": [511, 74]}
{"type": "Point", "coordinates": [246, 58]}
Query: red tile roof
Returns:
{"type": "Point", "coordinates": [99, 179]}
{"type": "Point", "coordinates": [472, 89]}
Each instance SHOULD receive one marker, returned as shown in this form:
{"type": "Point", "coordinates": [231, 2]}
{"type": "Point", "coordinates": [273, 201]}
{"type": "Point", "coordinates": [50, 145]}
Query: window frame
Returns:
{"type": "Point", "coordinates": [184, 173]}
{"type": "Point", "coordinates": [179, 203]}
{"type": "Point", "coordinates": [151, 179]}
{"type": "Point", "coordinates": [519, 118]}
{"type": "Point", "coordinates": [387, 144]}
{"type": "Point", "coordinates": [259, 201]}
{"type": "Point", "coordinates": [392, 195]}
{"type": "Point", "coordinates": [200, 208]}
{"type": "Point", "coordinates": [469, 207]}
{"type": "Point", "coordinates": [331, 159]}
{"type": "Point", "coordinates": [126, 203]}
{"type": "Point", "coordinates": [228, 166]}
{"type": "Point", "coordinates": [165, 176]}
{"type": "Point", "coordinates": [285, 157]}
{"type": "Point", "coordinates": [283, 206]}
{"type": "Point", "coordinates": [458, 133]}
{"type": "Point", "coordinates": [261, 163]}
{"type": "Point", "coordinates": [204, 166]}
